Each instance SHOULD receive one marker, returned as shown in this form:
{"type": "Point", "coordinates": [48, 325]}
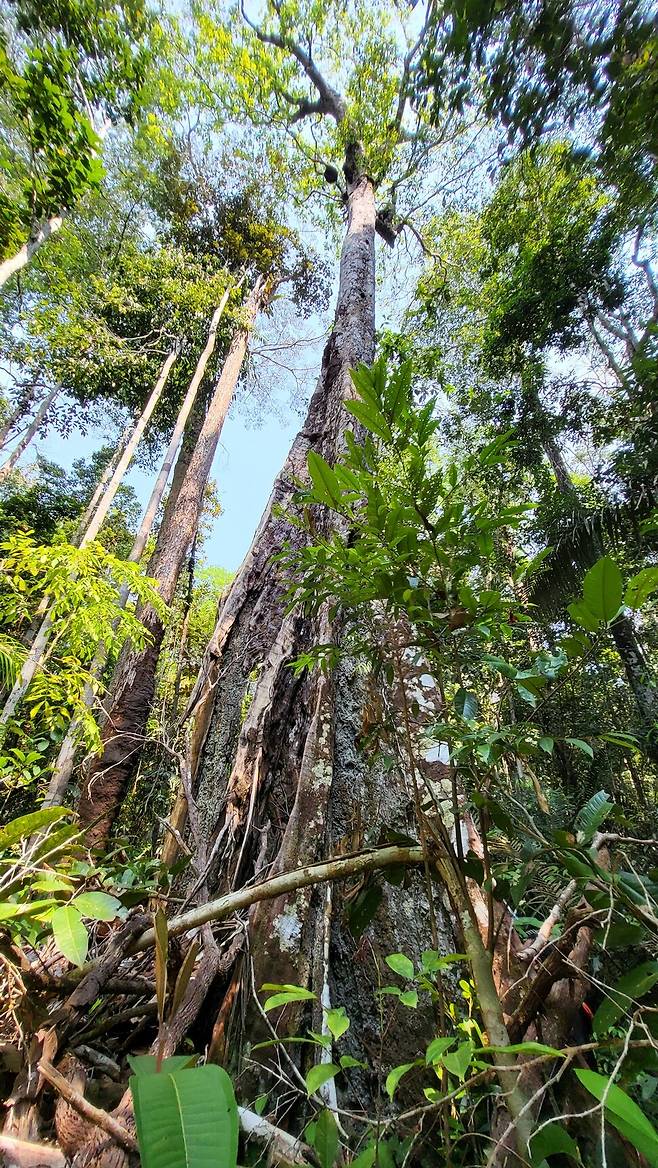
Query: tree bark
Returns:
{"type": "Point", "coordinates": [21, 259]}
{"type": "Point", "coordinates": [133, 689]}
{"type": "Point", "coordinates": [65, 759]}
{"type": "Point", "coordinates": [286, 784]}
{"type": "Point", "coordinates": [33, 429]}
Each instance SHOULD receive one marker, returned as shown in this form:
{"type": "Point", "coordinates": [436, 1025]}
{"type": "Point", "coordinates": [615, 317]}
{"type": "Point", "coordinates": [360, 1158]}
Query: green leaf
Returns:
{"type": "Point", "coordinates": [324, 480]}
{"type": "Point", "coordinates": [370, 417]}
{"type": "Point", "coordinates": [549, 1141]}
{"type": "Point", "coordinates": [346, 1061]}
{"type": "Point", "coordinates": [365, 1159]}
{"type": "Point", "coordinates": [629, 988]}
{"type": "Point", "coordinates": [640, 587]}
{"type": "Point", "coordinates": [98, 906]}
{"type": "Point", "coordinates": [32, 908]}
{"type": "Point", "coordinates": [287, 994]}
{"type": "Point", "coordinates": [466, 704]}
{"type": "Point", "coordinates": [580, 745]}
{"type": "Point", "coordinates": [325, 1139]}
{"type": "Point", "coordinates": [410, 999]}
{"type": "Point", "coordinates": [401, 965]}
{"type": "Point", "coordinates": [623, 1114]}
{"type": "Point", "coordinates": [591, 816]}
{"type": "Point", "coordinates": [436, 1049]}
{"type": "Point", "coordinates": [337, 1021]}
{"type": "Point", "coordinates": [23, 827]}
{"type": "Point", "coordinates": [394, 1076]}
{"type": "Point", "coordinates": [186, 1119]}
{"type": "Point", "coordinates": [458, 1062]}
{"type": "Point", "coordinates": [71, 936]}
{"type": "Point", "coordinates": [603, 589]}
{"type": "Point", "coordinates": [546, 744]}
{"type": "Point", "coordinates": [583, 616]}
{"type": "Point", "coordinates": [147, 1064]}
{"type": "Point", "coordinates": [320, 1074]}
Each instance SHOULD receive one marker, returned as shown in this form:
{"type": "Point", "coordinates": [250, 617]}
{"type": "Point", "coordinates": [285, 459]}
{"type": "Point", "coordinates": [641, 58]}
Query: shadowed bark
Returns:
{"type": "Point", "coordinates": [132, 692]}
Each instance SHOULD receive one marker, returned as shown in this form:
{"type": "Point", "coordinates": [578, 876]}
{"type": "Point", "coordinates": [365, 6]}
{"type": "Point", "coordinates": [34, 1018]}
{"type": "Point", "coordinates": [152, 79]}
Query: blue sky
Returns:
{"type": "Point", "coordinates": [247, 461]}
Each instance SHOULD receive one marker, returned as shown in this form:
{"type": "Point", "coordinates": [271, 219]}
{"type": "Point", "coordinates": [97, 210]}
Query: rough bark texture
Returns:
{"type": "Point", "coordinates": [132, 691]}
{"type": "Point", "coordinates": [281, 777]}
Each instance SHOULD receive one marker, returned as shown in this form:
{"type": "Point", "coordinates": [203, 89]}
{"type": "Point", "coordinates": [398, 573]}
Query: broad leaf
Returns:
{"type": "Point", "coordinates": [324, 480]}
{"type": "Point", "coordinates": [629, 988]}
{"type": "Point", "coordinates": [320, 1074]}
{"type": "Point", "coordinates": [551, 1140]}
{"type": "Point", "coordinates": [186, 1119]}
{"type": "Point", "coordinates": [640, 587]}
{"type": "Point", "coordinates": [603, 589]}
{"type": "Point", "coordinates": [623, 1114]}
{"type": "Point", "coordinates": [436, 1048]}
{"type": "Point", "coordinates": [287, 994]}
{"type": "Point", "coordinates": [71, 936]}
{"type": "Point", "coordinates": [458, 1062]}
{"type": "Point", "coordinates": [591, 816]}
{"type": "Point", "coordinates": [98, 906]}
{"type": "Point", "coordinates": [583, 616]}
{"type": "Point", "coordinates": [394, 1076]}
{"type": "Point", "coordinates": [25, 826]}
{"type": "Point", "coordinates": [147, 1064]}
{"type": "Point", "coordinates": [337, 1021]}
{"type": "Point", "coordinates": [401, 964]}
{"type": "Point", "coordinates": [325, 1139]}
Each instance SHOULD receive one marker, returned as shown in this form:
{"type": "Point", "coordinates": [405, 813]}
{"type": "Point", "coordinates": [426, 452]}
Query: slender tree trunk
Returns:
{"type": "Point", "coordinates": [66, 757]}
{"type": "Point", "coordinates": [30, 432]}
{"type": "Point", "coordinates": [40, 643]}
{"type": "Point", "coordinates": [133, 689]}
{"type": "Point", "coordinates": [21, 259]}
{"type": "Point", "coordinates": [103, 481]}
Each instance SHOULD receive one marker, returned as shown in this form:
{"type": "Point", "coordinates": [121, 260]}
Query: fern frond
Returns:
{"type": "Point", "coordinates": [12, 655]}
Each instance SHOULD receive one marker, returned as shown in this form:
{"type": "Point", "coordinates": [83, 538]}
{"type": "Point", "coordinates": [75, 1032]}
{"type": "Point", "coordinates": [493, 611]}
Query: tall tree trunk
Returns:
{"type": "Point", "coordinates": [101, 485]}
{"type": "Point", "coordinates": [133, 688]}
{"type": "Point", "coordinates": [288, 783]}
{"type": "Point", "coordinates": [40, 642]}
{"type": "Point", "coordinates": [21, 259]}
{"type": "Point", "coordinates": [65, 759]}
{"type": "Point", "coordinates": [30, 433]}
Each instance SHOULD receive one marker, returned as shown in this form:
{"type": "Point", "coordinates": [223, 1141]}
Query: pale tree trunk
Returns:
{"type": "Point", "coordinates": [16, 414]}
{"type": "Point", "coordinates": [134, 685]}
{"type": "Point", "coordinates": [65, 760]}
{"type": "Point", "coordinates": [21, 259]}
{"type": "Point", "coordinates": [288, 784]}
{"type": "Point", "coordinates": [103, 481]}
{"type": "Point", "coordinates": [39, 645]}
{"type": "Point", "coordinates": [33, 429]}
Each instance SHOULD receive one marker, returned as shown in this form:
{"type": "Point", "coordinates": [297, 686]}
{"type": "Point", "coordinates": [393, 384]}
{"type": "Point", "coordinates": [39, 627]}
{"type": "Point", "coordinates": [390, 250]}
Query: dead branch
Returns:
{"type": "Point", "coordinates": [23, 1154]}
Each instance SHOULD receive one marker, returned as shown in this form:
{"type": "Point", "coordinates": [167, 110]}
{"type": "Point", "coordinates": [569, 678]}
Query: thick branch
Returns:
{"type": "Point", "coordinates": [338, 869]}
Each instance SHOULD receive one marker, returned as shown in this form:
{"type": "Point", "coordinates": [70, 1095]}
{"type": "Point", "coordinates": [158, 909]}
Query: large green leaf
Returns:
{"type": "Point", "coordinates": [324, 480]}
{"type": "Point", "coordinates": [147, 1064]}
{"type": "Point", "coordinates": [603, 589]}
{"type": "Point", "coordinates": [629, 988]}
{"type": "Point", "coordinates": [623, 1114]}
{"type": "Point", "coordinates": [186, 1119]}
{"type": "Point", "coordinates": [596, 810]}
{"type": "Point", "coordinates": [320, 1074]}
{"type": "Point", "coordinates": [325, 1139]}
{"type": "Point", "coordinates": [71, 936]}
{"type": "Point", "coordinates": [551, 1140]}
{"type": "Point", "coordinates": [640, 587]}
{"type": "Point", "coordinates": [98, 906]}
{"type": "Point", "coordinates": [25, 826]}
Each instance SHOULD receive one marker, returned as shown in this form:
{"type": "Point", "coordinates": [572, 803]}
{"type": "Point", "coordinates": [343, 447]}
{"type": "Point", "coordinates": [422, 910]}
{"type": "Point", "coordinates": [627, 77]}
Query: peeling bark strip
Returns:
{"type": "Point", "coordinates": [123, 734]}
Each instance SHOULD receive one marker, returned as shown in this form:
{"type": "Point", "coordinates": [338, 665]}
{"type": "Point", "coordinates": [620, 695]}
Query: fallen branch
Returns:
{"type": "Point", "coordinates": [282, 1147]}
{"type": "Point", "coordinates": [87, 1110]}
{"type": "Point", "coordinates": [27, 1155]}
{"type": "Point", "coordinates": [338, 869]}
